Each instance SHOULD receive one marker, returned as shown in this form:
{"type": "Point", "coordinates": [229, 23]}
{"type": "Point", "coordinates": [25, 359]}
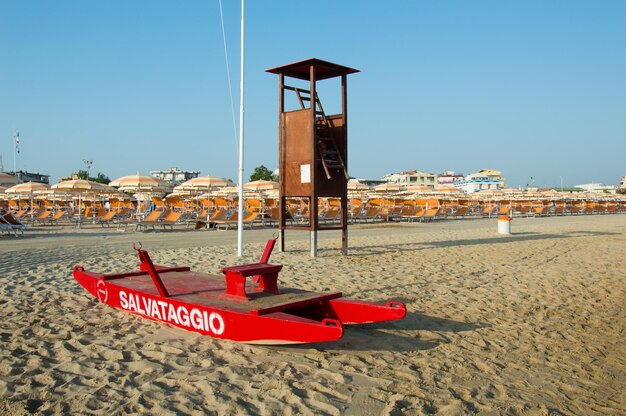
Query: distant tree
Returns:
{"type": "Point", "coordinates": [622, 191]}
{"type": "Point", "coordinates": [100, 177]}
{"type": "Point", "coordinates": [261, 172]}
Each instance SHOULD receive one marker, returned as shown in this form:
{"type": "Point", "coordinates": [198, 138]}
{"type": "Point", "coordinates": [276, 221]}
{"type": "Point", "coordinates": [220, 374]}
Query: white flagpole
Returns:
{"type": "Point", "coordinates": [241, 124]}
{"type": "Point", "coordinates": [17, 141]}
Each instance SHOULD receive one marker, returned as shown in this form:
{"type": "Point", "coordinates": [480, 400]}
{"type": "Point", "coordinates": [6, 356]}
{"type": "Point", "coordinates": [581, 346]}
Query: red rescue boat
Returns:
{"type": "Point", "coordinates": [229, 307]}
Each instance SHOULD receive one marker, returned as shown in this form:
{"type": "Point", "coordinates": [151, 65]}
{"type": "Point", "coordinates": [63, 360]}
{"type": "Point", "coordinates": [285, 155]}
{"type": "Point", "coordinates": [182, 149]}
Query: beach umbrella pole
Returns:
{"type": "Point", "coordinates": [80, 204]}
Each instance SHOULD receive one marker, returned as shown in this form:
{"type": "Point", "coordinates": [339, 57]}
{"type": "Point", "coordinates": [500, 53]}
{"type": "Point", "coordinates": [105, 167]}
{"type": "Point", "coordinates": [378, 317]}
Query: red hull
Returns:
{"type": "Point", "coordinates": [204, 304]}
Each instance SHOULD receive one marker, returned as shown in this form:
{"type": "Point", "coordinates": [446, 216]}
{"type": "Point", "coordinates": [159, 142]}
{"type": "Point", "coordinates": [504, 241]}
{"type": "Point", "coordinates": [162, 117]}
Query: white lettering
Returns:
{"type": "Point", "coordinates": [205, 317]}
{"type": "Point", "coordinates": [184, 318]}
{"type": "Point", "coordinates": [165, 311]}
{"type": "Point", "coordinates": [171, 314]}
{"type": "Point", "coordinates": [131, 303]}
{"type": "Point", "coordinates": [216, 317]}
{"type": "Point", "coordinates": [155, 311]}
{"type": "Point", "coordinates": [146, 305]}
{"type": "Point", "coordinates": [196, 318]}
{"type": "Point", "coordinates": [138, 303]}
{"type": "Point", "coordinates": [163, 305]}
{"type": "Point", "coordinates": [123, 300]}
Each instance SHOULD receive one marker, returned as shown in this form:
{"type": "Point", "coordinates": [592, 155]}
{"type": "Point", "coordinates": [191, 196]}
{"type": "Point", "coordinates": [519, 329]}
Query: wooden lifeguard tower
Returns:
{"type": "Point", "coordinates": [313, 147]}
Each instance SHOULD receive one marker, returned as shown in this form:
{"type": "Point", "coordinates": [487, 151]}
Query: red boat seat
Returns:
{"type": "Point", "coordinates": [236, 278]}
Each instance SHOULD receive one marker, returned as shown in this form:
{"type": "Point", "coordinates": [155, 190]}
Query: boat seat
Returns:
{"type": "Point", "coordinates": [236, 278]}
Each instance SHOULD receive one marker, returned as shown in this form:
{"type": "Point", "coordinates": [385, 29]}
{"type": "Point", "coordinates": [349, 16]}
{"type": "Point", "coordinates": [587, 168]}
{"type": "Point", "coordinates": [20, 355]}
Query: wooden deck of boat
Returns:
{"type": "Point", "coordinates": [208, 290]}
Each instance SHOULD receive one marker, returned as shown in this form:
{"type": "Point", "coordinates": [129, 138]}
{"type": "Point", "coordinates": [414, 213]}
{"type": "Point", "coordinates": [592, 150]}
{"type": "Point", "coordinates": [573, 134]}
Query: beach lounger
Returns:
{"type": "Point", "coordinates": [151, 220]}
{"type": "Point", "coordinates": [148, 221]}
{"type": "Point", "coordinates": [6, 228]}
{"type": "Point", "coordinates": [201, 221]}
{"type": "Point", "coordinates": [371, 214]}
{"type": "Point", "coordinates": [43, 216]}
{"type": "Point", "coordinates": [330, 216]}
{"type": "Point", "coordinates": [107, 219]}
{"type": "Point", "coordinates": [417, 214]}
{"type": "Point", "coordinates": [489, 210]}
{"type": "Point", "coordinates": [170, 220]}
{"type": "Point", "coordinates": [460, 211]}
{"type": "Point", "coordinates": [248, 219]}
{"type": "Point", "coordinates": [12, 224]}
{"type": "Point", "coordinates": [56, 217]}
{"type": "Point", "coordinates": [271, 216]}
{"type": "Point", "coordinates": [430, 214]}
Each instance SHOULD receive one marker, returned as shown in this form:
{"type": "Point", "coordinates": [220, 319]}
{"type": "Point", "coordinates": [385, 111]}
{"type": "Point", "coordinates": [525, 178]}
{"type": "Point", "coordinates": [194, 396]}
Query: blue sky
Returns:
{"type": "Point", "coordinates": [534, 88]}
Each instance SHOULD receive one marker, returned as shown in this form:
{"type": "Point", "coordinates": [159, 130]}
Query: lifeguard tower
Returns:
{"type": "Point", "coordinates": [313, 148]}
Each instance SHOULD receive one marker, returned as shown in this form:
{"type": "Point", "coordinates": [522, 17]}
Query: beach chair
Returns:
{"type": "Point", "coordinates": [460, 211]}
{"type": "Point", "coordinates": [248, 219]}
{"type": "Point", "coordinates": [13, 205]}
{"type": "Point", "coordinates": [12, 224]}
{"type": "Point", "coordinates": [171, 219]}
{"type": "Point", "coordinates": [559, 208]}
{"type": "Point", "coordinates": [43, 216]}
{"type": "Point", "coordinates": [152, 220]}
{"type": "Point", "coordinates": [56, 217]}
{"type": "Point", "coordinates": [504, 209]}
{"type": "Point", "coordinates": [541, 210]}
{"type": "Point", "coordinates": [148, 221]}
{"type": "Point", "coordinates": [372, 213]}
{"type": "Point", "coordinates": [430, 214]}
{"type": "Point", "coordinates": [108, 218]}
{"type": "Point", "coordinates": [589, 207]}
{"type": "Point", "coordinates": [6, 228]}
{"type": "Point", "coordinates": [354, 213]}
{"type": "Point", "coordinates": [159, 205]}
{"type": "Point", "coordinates": [489, 210]}
{"type": "Point", "coordinates": [271, 216]}
{"type": "Point", "coordinates": [576, 207]}
{"type": "Point", "coordinates": [330, 216]}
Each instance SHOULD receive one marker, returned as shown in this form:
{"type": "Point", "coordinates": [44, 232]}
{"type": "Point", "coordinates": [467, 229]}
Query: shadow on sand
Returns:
{"type": "Point", "coordinates": [384, 336]}
{"type": "Point", "coordinates": [359, 251]}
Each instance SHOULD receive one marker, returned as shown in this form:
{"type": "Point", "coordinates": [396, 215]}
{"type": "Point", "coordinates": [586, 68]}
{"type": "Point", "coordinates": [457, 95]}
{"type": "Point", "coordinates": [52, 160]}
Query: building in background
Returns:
{"type": "Point", "coordinates": [622, 183]}
{"type": "Point", "coordinates": [174, 176]}
{"type": "Point", "coordinates": [448, 177]}
{"type": "Point", "coordinates": [24, 176]}
{"type": "Point", "coordinates": [597, 188]}
{"type": "Point", "coordinates": [485, 179]}
{"type": "Point", "coordinates": [368, 182]}
{"type": "Point", "coordinates": [412, 177]}
{"type": "Point", "coordinates": [488, 174]}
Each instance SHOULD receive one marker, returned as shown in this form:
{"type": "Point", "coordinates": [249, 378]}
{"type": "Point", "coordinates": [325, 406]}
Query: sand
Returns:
{"type": "Point", "coordinates": [532, 323]}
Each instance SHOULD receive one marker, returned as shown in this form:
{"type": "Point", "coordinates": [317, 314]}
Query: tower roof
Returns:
{"type": "Point", "coordinates": [323, 69]}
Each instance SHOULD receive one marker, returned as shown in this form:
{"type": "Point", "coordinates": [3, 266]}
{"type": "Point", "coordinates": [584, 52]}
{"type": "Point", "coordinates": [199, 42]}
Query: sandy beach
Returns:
{"type": "Point", "coordinates": [532, 323]}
